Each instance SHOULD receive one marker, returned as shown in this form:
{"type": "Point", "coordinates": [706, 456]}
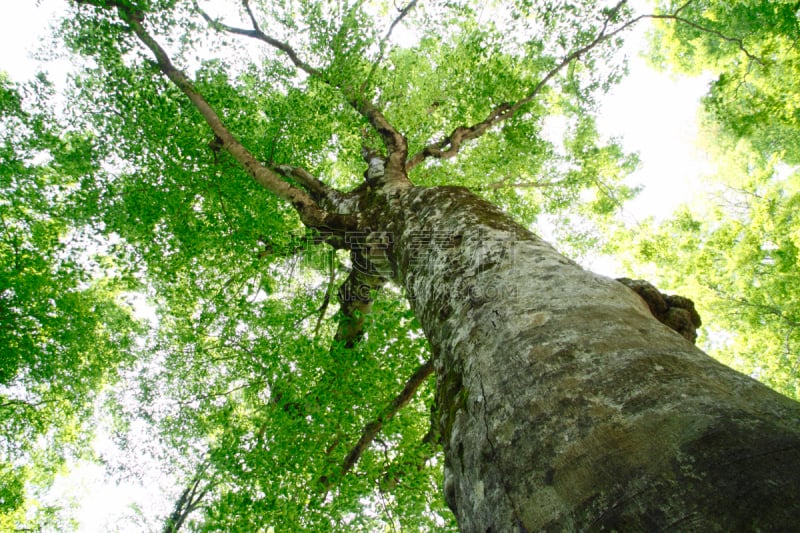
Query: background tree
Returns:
{"type": "Point", "coordinates": [738, 247]}
{"type": "Point", "coordinates": [273, 413]}
{"type": "Point", "coordinates": [65, 327]}
{"type": "Point", "coordinates": [738, 255]}
{"type": "Point", "coordinates": [750, 48]}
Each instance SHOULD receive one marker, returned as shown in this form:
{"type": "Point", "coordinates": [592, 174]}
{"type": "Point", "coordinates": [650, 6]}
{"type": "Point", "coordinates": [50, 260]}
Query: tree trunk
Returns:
{"type": "Point", "coordinates": [563, 404]}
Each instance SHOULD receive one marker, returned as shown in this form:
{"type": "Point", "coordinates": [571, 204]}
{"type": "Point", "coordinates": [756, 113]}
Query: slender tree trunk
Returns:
{"type": "Point", "coordinates": [563, 404]}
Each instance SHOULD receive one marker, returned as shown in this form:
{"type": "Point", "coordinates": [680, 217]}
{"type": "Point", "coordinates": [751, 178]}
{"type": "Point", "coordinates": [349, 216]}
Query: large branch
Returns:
{"type": "Point", "coordinates": [393, 140]}
{"type": "Point", "coordinates": [310, 212]}
{"type": "Point", "coordinates": [327, 197]}
{"type": "Point", "coordinates": [451, 145]}
{"type": "Point", "coordinates": [395, 143]}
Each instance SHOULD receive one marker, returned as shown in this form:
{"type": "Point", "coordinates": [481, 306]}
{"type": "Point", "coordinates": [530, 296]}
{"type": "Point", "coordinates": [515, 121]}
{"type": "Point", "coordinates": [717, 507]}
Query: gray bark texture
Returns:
{"type": "Point", "coordinates": [563, 404]}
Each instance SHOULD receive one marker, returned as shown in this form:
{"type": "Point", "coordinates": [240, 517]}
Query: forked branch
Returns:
{"type": "Point", "coordinates": [451, 145]}
{"type": "Point", "coordinates": [394, 142]}
{"type": "Point", "coordinates": [190, 500]}
{"type": "Point", "coordinates": [382, 46]}
{"type": "Point", "coordinates": [257, 33]}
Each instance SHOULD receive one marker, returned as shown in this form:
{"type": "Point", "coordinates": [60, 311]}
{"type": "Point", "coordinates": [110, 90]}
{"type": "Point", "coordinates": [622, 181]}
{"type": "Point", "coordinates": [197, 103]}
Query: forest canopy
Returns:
{"type": "Point", "coordinates": [173, 277]}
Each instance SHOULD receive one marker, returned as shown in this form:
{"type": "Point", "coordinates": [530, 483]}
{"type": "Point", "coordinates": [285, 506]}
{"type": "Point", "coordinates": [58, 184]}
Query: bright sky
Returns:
{"type": "Point", "coordinates": [656, 116]}
{"type": "Point", "coordinates": [653, 113]}
{"type": "Point", "coordinates": [24, 26]}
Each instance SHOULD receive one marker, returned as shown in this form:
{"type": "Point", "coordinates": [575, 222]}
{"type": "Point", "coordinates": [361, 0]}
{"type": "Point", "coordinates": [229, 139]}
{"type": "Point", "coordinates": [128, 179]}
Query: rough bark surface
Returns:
{"type": "Point", "coordinates": [563, 404]}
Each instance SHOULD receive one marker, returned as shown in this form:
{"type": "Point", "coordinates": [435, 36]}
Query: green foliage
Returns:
{"type": "Point", "coordinates": [751, 48]}
{"type": "Point", "coordinates": [64, 328]}
{"type": "Point", "coordinates": [738, 258]}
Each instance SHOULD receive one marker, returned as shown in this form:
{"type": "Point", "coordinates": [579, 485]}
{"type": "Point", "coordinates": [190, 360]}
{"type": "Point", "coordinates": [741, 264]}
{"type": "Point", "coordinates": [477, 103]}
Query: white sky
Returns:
{"type": "Point", "coordinates": [653, 113]}
{"type": "Point", "coordinates": [24, 26]}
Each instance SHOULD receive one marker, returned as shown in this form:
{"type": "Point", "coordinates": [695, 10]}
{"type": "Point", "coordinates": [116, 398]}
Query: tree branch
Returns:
{"type": "Point", "coordinates": [188, 501]}
{"type": "Point", "coordinates": [737, 41]}
{"type": "Point", "coordinates": [327, 299]}
{"type": "Point", "coordinates": [12, 403]}
{"type": "Point", "coordinates": [310, 213]}
{"type": "Point", "coordinates": [509, 183]}
{"type": "Point", "coordinates": [355, 300]}
{"type": "Point", "coordinates": [451, 145]}
{"type": "Point", "coordinates": [382, 45]}
{"type": "Point", "coordinates": [327, 197]}
{"type": "Point", "coordinates": [393, 140]}
{"type": "Point", "coordinates": [256, 33]}
{"type": "Point", "coordinates": [371, 430]}
{"type": "Point", "coordinates": [210, 395]}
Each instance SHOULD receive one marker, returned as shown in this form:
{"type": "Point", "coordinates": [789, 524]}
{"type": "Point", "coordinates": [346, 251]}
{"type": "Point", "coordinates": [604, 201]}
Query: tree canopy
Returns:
{"type": "Point", "coordinates": [266, 401]}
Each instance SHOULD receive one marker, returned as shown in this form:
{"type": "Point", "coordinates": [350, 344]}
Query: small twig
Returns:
{"type": "Point", "coordinates": [256, 33]}
{"type": "Point", "coordinates": [382, 45]}
{"type": "Point", "coordinates": [506, 183]}
{"type": "Point", "coordinates": [224, 393]}
{"type": "Point", "coordinates": [383, 504]}
{"type": "Point", "coordinates": [327, 300]}
{"type": "Point", "coordinates": [739, 42]}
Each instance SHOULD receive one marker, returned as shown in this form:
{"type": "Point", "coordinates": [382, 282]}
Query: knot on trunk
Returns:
{"type": "Point", "coordinates": [677, 312]}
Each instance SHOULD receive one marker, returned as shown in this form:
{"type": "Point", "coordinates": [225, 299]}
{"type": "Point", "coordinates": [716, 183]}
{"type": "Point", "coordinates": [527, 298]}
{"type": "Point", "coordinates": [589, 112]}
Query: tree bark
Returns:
{"type": "Point", "coordinates": [563, 404]}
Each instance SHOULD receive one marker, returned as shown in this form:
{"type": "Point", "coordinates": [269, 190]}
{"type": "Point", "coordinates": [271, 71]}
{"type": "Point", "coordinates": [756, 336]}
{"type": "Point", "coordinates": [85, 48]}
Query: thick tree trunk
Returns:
{"type": "Point", "coordinates": [564, 405]}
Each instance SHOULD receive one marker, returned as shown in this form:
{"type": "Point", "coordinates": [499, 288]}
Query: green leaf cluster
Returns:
{"type": "Point", "coordinates": [65, 329]}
